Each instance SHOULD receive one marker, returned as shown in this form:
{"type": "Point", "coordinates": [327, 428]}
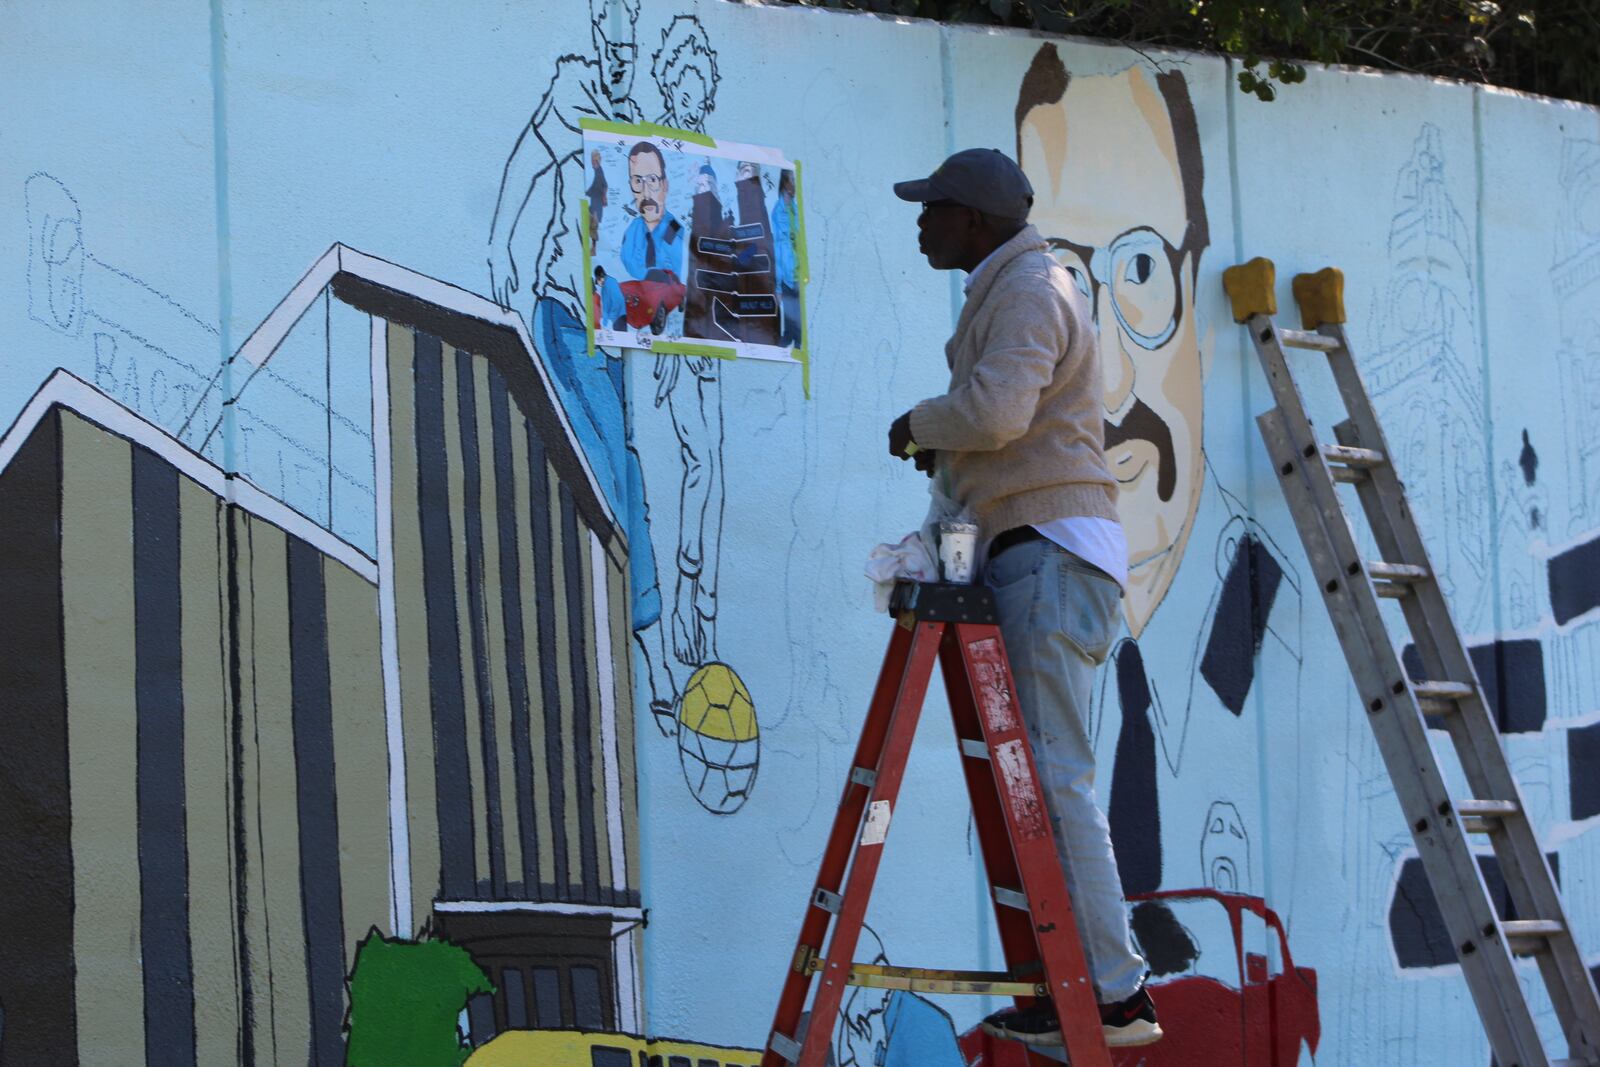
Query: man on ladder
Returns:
{"type": "Point", "coordinates": [1018, 441]}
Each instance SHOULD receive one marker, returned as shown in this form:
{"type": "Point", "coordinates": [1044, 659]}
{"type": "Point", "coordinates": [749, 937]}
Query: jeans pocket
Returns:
{"type": "Point", "coordinates": [1014, 565]}
{"type": "Point", "coordinates": [1090, 605]}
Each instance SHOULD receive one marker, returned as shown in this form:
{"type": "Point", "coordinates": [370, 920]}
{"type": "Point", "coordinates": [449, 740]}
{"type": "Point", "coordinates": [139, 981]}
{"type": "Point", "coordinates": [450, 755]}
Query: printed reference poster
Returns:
{"type": "Point", "coordinates": [695, 246]}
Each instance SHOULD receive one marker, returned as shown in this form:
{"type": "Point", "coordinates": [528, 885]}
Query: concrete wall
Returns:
{"type": "Point", "coordinates": [168, 175]}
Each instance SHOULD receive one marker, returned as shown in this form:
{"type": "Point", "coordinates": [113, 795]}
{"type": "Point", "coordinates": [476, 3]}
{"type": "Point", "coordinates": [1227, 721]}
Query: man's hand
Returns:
{"type": "Point", "coordinates": [900, 444]}
{"type": "Point", "coordinates": [924, 460]}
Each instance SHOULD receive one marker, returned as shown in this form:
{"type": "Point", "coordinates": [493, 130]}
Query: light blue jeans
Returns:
{"type": "Point", "coordinates": [1058, 616]}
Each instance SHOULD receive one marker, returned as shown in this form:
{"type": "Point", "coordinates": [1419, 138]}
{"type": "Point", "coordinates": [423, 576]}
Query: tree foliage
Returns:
{"type": "Point", "coordinates": [1541, 46]}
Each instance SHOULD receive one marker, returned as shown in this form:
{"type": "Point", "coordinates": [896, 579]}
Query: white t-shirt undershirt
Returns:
{"type": "Point", "coordinates": [1099, 542]}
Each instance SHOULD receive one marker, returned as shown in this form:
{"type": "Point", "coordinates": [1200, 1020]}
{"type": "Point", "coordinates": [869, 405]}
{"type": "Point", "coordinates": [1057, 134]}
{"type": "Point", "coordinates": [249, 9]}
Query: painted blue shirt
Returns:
{"type": "Point", "coordinates": [668, 238]}
{"type": "Point", "coordinates": [612, 304]}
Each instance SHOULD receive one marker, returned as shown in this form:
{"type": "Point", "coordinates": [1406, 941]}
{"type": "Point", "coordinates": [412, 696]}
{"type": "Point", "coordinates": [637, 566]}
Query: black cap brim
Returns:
{"type": "Point", "coordinates": [919, 191]}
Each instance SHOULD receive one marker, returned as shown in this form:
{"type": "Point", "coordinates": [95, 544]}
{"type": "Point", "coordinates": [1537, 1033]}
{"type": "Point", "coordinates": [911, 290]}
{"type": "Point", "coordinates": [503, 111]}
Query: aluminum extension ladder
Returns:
{"type": "Point", "coordinates": [1401, 709]}
{"type": "Point", "coordinates": [957, 625]}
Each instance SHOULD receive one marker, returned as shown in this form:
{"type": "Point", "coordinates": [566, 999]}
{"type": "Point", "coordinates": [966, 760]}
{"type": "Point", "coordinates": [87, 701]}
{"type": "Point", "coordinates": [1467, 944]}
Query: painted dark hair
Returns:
{"type": "Point", "coordinates": [645, 146]}
{"type": "Point", "coordinates": [1046, 83]}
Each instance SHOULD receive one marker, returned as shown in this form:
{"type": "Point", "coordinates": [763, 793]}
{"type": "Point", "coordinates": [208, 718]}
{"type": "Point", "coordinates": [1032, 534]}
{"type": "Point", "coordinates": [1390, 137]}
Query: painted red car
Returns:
{"type": "Point", "coordinates": [1224, 1010]}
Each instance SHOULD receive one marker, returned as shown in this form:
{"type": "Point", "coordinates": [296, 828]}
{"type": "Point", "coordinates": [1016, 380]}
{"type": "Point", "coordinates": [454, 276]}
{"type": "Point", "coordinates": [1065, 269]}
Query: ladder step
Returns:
{"type": "Point", "coordinates": [785, 1046]}
{"type": "Point", "coordinates": [1305, 339]}
{"type": "Point", "coordinates": [1485, 816]}
{"type": "Point", "coordinates": [1350, 456]}
{"type": "Point", "coordinates": [1440, 698]}
{"type": "Point", "coordinates": [926, 980]}
{"type": "Point", "coordinates": [974, 749]}
{"type": "Point", "coordinates": [1487, 808]}
{"type": "Point", "coordinates": [864, 776]}
{"type": "Point", "coordinates": [829, 902]}
{"type": "Point", "coordinates": [1531, 937]}
{"type": "Point", "coordinates": [1011, 898]}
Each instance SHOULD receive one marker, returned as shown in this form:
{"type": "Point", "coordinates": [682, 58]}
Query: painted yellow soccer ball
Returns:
{"type": "Point", "coordinates": [719, 739]}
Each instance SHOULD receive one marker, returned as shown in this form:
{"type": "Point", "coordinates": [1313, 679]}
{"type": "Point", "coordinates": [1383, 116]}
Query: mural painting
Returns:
{"type": "Point", "coordinates": [356, 656]}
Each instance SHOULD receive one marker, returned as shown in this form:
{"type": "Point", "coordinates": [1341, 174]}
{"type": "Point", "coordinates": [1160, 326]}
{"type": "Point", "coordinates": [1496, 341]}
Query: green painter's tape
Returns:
{"type": "Point", "coordinates": [588, 273]}
{"type": "Point", "coordinates": [803, 276]}
{"type": "Point", "coordinates": [647, 129]}
{"type": "Point", "coordinates": [687, 348]}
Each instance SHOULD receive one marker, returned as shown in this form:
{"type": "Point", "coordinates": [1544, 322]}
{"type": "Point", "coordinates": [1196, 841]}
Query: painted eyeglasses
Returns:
{"type": "Point", "coordinates": [1142, 269]}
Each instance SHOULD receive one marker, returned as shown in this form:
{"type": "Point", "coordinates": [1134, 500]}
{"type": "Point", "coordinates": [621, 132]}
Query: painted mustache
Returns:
{"type": "Point", "coordinates": [1142, 424]}
{"type": "Point", "coordinates": [647, 202]}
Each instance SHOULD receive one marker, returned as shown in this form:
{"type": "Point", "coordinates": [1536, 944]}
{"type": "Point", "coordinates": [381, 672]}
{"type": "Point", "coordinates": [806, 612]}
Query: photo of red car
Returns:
{"type": "Point", "coordinates": [645, 303]}
{"type": "Point", "coordinates": [1223, 1009]}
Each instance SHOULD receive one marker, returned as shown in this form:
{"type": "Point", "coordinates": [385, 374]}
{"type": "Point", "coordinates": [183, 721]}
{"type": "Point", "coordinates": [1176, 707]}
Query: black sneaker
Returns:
{"type": "Point", "coordinates": [1129, 1023]}
{"type": "Point", "coordinates": [1037, 1024]}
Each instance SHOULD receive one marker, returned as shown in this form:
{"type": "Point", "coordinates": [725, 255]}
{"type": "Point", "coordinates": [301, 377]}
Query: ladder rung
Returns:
{"type": "Point", "coordinates": [1350, 456]}
{"type": "Point", "coordinates": [1348, 475]}
{"type": "Point", "coordinates": [1439, 698]}
{"type": "Point", "coordinates": [1382, 571]}
{"type": "Point", "coordinates": [974, 748]}
{"type": "Point", "coordinates": [1531, 937]}
{"type": "Point", "coordinates": [1305, 339]}
{"type": "Point", "coordinates": [785, 1046]}
{"type": "Point", "coordinates": [1010, 898]}
{"type": "Point", "coordinates": [1487, 808]}
{"type": "Point", "coordinates": [924, 980]}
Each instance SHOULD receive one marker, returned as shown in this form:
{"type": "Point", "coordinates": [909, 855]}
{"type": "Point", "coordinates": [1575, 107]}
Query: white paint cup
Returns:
{"type": "Point", "coordinates": [958, 545]}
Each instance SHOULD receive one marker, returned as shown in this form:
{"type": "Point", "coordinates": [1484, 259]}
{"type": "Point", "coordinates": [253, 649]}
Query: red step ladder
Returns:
{"type": "Point", "coordinates": [957, 624]}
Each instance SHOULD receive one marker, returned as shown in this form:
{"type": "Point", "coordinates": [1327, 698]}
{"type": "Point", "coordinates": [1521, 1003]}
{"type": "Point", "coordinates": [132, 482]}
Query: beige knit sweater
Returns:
{"type": "Point", "coordinates": [1020, 433]}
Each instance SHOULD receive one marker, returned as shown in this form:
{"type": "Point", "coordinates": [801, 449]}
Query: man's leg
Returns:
{"type": "Point", "coordinates": [1058, 620]}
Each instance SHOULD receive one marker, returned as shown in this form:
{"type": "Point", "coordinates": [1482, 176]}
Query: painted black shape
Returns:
{"type": "Point", "coordinates": [516, 997]}
{"type": "Point", "coordinates": [1583, 770]}
{"type": "Point", "coordinates": [1135, 808]}
{"type": "Point", "coordinates": [478, 618]}
{"type": "Point", "coordinates": [544, 584]}
{"type": "Point", "coordinates": [232, 518]}
{"type": "Point", "coordinates": [167, 964]}
{"type": "Point", "coordinates": [1528, 460]}
{"type": "Point", "coordinates": [457, 876]}
{"type": "Point", "coordinates": [1512, 676]}
{"type": "Point", "coordinates": [504, 348]}
{"type": "Point", "coordinates": [1240, 623]}
{"type": "Point", "coordinates": [582, 710]}
{"type": "Point", "coordinates": [316, 793]}
{"type": "Point", "coordinates": [1416, 928]}
{"type": "Point", "coordinates": [1167, 947]}
{"type": "Point", "coordinates": [586, 1009]}
{"type": "Point", "coordinates": [480, 1018]}
{"type": "Point", "coordinates": [506, 508]}
{"type": "Point", "coordinates": [38, 987]}
{"type": "Point", "coordinates": [1575, 581]}
{"type": "Point", "coordinates": [613, 1057]}
{"type": "Point", "coordinates": [547, 998]}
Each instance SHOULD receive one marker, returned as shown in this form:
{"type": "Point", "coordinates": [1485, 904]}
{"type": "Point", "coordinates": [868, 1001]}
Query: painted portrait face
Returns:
{"type": "Point", "coordinates": [648, 180]}
{"type": "Point", "coordinates": [614, 39]}
{"type": "Point", "coordinates": [1108, 179]}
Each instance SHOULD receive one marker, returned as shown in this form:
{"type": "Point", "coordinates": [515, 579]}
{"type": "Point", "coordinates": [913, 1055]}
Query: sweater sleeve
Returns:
{"type": "Point", "coordinates": [1026, 338]}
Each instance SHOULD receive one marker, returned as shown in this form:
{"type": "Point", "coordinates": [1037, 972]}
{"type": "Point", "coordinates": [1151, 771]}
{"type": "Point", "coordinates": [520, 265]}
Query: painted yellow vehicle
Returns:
{"type": "Point", "coordinates": [580, 1048]}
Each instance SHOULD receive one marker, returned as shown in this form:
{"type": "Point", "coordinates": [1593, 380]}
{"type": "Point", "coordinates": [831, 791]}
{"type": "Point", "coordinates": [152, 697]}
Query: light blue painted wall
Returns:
{"type": "Point", "coordinates": [1461, 217]}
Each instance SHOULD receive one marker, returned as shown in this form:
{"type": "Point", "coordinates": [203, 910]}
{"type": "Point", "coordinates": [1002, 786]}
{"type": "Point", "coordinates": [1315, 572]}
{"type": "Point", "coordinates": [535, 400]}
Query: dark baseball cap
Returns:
{"type": "Point", "coordinates": [983, 178]}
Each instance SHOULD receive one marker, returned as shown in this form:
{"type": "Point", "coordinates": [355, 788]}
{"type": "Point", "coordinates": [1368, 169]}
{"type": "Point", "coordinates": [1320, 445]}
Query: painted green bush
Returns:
{"type": "Point", "coordinates": [405, 1000]}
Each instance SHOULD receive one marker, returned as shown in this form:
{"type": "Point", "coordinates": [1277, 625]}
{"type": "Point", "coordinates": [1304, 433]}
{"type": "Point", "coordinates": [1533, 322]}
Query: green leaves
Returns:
{"type": "Point", "coordinates": [1542, 46]}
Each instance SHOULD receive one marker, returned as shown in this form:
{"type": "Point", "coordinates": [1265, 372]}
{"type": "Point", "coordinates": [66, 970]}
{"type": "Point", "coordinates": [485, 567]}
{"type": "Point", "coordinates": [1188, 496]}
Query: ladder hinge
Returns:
{"type": "Point", "coordinates": [806, 960]}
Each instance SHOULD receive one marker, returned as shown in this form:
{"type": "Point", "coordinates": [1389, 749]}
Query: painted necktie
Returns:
{"type": "Point", "coordinates": [1135, 809]}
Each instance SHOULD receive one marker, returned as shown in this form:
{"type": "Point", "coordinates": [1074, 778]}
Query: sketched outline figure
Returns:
{"type": "Point", "coordinates": [684, 68]}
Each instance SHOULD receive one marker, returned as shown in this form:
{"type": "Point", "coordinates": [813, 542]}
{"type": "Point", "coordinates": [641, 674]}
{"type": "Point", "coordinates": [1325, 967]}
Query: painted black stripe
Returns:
{"type": "Point", "coordinates": [453, 780]}
{"type": "Point", "coordinates": [578, 646]}
{"type": "Point", "coordinates": [38, 990]}
{"type": "Point", "coordinates": [321, 907]}
{"type": "Point", "coordinates": [478, 616]}
{"type": "Point", "coordinates": [231, 518]}
{"type": "Point", "coordinates": [1575, 581]}
{"type": "Point", "coordinates": [545, 598]}
{"type": "Point", "coordinates": [527, 827]}
{"type": "Point", "coordinates": [168, 967]}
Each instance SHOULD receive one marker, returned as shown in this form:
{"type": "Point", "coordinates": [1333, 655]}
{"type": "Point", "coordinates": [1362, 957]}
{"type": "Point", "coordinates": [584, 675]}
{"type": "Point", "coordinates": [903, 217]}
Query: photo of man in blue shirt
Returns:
{"type": "Point", "coordinates": [655, 240]}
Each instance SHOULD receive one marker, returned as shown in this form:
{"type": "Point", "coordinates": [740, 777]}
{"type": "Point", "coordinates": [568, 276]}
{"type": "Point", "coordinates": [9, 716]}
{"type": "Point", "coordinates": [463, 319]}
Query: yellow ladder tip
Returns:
{"type": "Point", "coordinates": [1320, 296]}
{"type": "Point", "coordinates": [1250, 288]}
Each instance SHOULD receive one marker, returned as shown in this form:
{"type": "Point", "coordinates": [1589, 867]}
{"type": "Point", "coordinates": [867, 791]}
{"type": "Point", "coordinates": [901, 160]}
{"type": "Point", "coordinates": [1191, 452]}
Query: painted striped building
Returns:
{"type": "Point", "coordinates": [232, 742]}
